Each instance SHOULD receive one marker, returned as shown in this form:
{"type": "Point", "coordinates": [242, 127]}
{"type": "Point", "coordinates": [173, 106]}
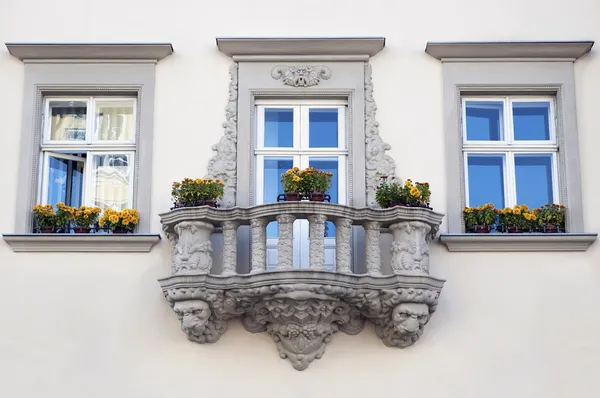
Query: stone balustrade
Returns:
{"type": "Point", "coordinates": [189, 230]}
{"type": "Point", "coordinates": [302, 309]}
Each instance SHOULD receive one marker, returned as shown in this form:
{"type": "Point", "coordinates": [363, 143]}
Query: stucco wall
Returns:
{"type": "Point", "coordinates": [83, 325]}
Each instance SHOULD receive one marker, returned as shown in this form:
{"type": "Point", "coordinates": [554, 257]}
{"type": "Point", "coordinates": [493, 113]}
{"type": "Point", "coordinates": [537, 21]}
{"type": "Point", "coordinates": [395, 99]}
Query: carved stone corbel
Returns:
{"type": "Point", "coordinates": [405, 325]}
{"type": "Point", "coordinates": [198, 322]}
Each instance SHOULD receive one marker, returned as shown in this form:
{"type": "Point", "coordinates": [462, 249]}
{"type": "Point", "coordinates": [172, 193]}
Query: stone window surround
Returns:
{"type": "Point", "coordinates": [513, 68]}
{"type": "Point", "coordinates": [264, 68]}
{"type": "Point", "coordinates": [87, 69]}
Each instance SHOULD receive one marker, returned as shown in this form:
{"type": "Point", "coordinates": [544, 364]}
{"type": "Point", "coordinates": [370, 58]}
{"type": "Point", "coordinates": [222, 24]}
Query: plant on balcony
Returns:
{"type": "Point", "coordinates": [315, 183]}
{"type": "Point", "coordinates": [390, 194]}
{"type": "Point", "coordinates": [480, 219]}
{"type": "Point", "coordinates": [309, 183]}
{"type": "Point", "coordinates": [197, 192]}
{"type": "Point", "coordinates": [551, 218]}
{"type": "Point", "coordinates": [85, 218]}
{"type": "Point", "coordinates": [291, 184]}
{"type": "Point", "coordinates": [119, 222]}
{"type": "Point", "coordinates": [516, 220]}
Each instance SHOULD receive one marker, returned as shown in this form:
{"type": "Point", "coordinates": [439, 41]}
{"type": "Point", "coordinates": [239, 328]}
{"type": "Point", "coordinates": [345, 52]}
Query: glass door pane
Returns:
{"type": "Point", "coordinates": [323, 129]}
{"type": "Point", "coordinates": [115, 120]}
{"type": "Point", "coordinates": [68, 120]}
{"type": "Point", "coordinates": [279, 128]}
{"type": "Point", "coordinates": [111, 181]}
{"type": "Point", "coordinates": [64, 180]}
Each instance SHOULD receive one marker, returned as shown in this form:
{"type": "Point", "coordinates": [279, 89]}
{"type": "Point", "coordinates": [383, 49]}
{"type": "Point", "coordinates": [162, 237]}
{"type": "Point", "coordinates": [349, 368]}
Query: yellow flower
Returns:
{"type": "Point", "coordinates": [408, 183]}
{"type": "Point", "coordinates": [517, 211]}
{"type": "Point", "coordinates": [296, 179]}
{"type": "Point", "coordinates": [414, 191]}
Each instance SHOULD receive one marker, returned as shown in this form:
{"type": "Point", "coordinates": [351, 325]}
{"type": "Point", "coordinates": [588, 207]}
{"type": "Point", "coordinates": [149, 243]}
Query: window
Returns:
{"type": "Point", "coordinates": [510, 151]}
{"type": "Point", "coordinates": [300, 133]}
{"type": "Point", "coordinates": [88, 150]}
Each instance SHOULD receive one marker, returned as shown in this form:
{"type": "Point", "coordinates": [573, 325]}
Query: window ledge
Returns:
{"type": "Point", "coordinates": [530, 242]}
{"type": "Point", "coordinates": [81, 243]}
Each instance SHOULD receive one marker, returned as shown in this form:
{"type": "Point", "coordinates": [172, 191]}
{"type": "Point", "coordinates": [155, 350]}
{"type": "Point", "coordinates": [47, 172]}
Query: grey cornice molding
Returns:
{"type": "Point", "coordinates": [517, 242]}
{"type": "Point", "coordinates": [571, 50]}
{"type": "Point", "coordinates": [90, 51]}
{"type": "Point", "coordinates": [81, 242]}
{"type": "Point", "coordinates": [313, 47]}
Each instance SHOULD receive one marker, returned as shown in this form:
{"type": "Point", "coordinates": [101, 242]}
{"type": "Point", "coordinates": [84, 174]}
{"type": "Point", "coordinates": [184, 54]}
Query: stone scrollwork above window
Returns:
{"type": "Point", "coordinates": [301, 76]}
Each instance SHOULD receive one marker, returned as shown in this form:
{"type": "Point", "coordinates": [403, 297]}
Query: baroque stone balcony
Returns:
{"type": "Point", "coordinates": [302, 309]}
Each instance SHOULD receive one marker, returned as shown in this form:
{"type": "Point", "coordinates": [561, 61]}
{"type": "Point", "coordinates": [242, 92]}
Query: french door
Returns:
{"type": "Point", "coordinates": [301, 134]}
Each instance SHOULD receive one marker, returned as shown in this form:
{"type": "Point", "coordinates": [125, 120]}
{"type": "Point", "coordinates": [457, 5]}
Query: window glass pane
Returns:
{"type": "Point", "coordinates": [484, 120]}
{"type": "Point", "coordinates": [65, 181]}
{"type": "Point", "coordinates": [330, 165]}
{"type": "Point", "coordinates": [68, 120]}
{"type": "Point", "coordinates": [534, 179]}
{"type": "Point", "coordinates": [279, 127]}
{"type": "Point", "coordinates": [111, 181]}
{"type": "Point", "coordinates": [531, 120]}
{"type": "Point", "coordinates": [323, 128]}
{"type": "Point", "coordinates": [274, 168]}
{"type": "Point", "coordinates": [115, 120]}
{"type": "Point", "coordinates": [486, 180]}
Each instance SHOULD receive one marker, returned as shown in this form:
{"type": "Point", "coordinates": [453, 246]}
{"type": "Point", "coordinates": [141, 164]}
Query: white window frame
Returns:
{"type": "Point", "coordinates": [90, 146]}
{"type": "Point", "coordinates": [508, 147]}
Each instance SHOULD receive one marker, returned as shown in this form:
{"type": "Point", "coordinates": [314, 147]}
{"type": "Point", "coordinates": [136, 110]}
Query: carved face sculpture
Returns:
{"type": "Point", "coordinates": [409, 318]}
{"type": "Point", "coordinates": [194, 316]}
{"type": "Point", "coordinates": [410, 249]}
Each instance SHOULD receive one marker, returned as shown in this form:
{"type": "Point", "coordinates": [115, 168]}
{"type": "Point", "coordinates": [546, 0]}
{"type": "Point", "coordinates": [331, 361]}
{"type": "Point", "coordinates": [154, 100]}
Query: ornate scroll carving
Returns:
{"type": "Point", "coordinates": [301, 76]}
{"type": "Point", "coordinates": [410, 248]}
{"type": "Point", "coordinates": [192, 252]}
{"type": "Point", "coordinates": [223, 164]}
{"type": "Point", "coordinates": [378, 163]}
{"type": "Point", "coordinates": [343, 251]}
{"type": "Point", "coordinates": [285, 243]}
{"type": "Point", "coordinates": [302, 310]}
{"type": "Point", "coordinates": [317, 241]}
{"type": "Point", "coordinates": [406, 325]}
{"type": "Point", "coordinates": [197, 321]}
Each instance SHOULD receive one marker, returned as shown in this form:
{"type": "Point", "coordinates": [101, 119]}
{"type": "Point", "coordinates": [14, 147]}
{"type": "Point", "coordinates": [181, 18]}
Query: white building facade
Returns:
{"type": "Point", "coordinates": [265, 298]}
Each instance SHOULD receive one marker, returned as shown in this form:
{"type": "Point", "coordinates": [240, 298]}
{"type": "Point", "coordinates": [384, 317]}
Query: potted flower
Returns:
{"type": "Point", "coordinates": [517, 220]}
{"type": "Point", "coordinates": [480, 219]}
{"type": "Point", "coordinates": [197, 192]}
{"type": "Point", "coordinates": [551, 218]}
{"type": "Point", "coordinates": [45, 218]}
{"type": "Point", "coordinates": [291, 184]}
{"type": "Point", "coordinates": [390, 194]}
{"type": "Point", "coordinates": [119, 222]}
{"type": "Point", "coordinates": [315, 183]}
{"type": "Point", "coordinates": [85, 218]}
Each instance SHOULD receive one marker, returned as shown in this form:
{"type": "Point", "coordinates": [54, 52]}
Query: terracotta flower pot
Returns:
{"type": "Point", "coordinates": [317, 197]}
{"type": "Point", "coordinates": [515, 230]}
{"type": "Point", "coordinates": [481, 229]}
{"type": "Point", "coordinates": [292, 196]}
{"type": "Point", "coordinates": [81, 230]}
{"type": "Point", "coordinates": [550, 229]}
{"type": "Point", "coordinates": [120, 230]}
{"type": "Point", "coordinates": [47, 230]}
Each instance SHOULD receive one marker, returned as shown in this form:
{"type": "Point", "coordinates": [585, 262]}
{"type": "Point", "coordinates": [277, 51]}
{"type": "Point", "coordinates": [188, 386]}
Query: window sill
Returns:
{"type": "Point", "coordinates": [81, 242]}
{"type": "Point", "coordinates": [530, 242]}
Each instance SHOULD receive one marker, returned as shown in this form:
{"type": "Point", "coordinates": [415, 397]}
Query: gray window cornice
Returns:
{"type": "Point", "coordinates": [90, 51]}
{"type": "Point", "coordinates": [509, 50]}
{"type": "Point", "coordinates": [245, 47]}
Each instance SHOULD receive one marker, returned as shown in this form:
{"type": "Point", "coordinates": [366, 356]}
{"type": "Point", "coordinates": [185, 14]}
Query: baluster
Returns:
{"type": "Point", "coordinates": [343, 252]}
{"type": "Point", "coordinates": [258, 235]}
{"type": "Point", "coordinates": [317, 241]}
{"type": "Point", "coordinates": [229, 247]}
{"type": "Point", "coordinates": [285, 243]}
{"type": "Point", "coordinates": [372, 247]}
